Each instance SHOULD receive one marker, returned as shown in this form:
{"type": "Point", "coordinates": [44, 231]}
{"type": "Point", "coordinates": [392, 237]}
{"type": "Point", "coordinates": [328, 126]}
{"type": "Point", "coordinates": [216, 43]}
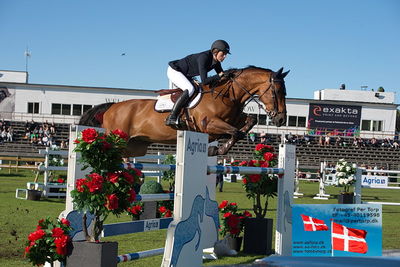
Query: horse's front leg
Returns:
{"type": "Point", "coordinates": [220, 127]}
{"type": "Point", "coordinates": [249, 121]}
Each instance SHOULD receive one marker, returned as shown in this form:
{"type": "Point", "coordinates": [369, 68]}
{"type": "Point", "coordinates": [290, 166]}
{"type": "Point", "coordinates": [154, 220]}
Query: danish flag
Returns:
{"type": "Point", "coordinates": [348, 239]}
{"type": "Point", "coordinates": [312, 224]}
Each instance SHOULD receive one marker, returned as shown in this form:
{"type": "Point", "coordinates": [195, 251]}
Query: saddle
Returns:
{"type": "Point", "coordinates": [167, 98]}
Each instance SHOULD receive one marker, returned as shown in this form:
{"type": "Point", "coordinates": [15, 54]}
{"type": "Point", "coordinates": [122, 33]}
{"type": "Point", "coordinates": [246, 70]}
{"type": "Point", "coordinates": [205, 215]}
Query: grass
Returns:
{"type": "Point", "coordinates": [19, 217]}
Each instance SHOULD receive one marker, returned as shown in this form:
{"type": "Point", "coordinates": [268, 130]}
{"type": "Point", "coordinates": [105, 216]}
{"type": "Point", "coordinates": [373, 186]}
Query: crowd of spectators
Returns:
{"type": "Point", "coordinates": [6, 131]}
{"type": "Point", "coordinates": [40, 133]}
{"type": "Point", "coordinates": [328, 140]}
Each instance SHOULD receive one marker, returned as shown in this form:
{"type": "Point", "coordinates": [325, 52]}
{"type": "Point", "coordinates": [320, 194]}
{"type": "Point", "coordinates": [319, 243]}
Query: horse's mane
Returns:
{"type": "Point", "coordinates": [233, 70]}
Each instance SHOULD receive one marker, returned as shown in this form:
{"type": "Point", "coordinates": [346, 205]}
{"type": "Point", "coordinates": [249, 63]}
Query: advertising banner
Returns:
{"type": "Point", "coordinates": [334, 117]}
{"type": "Point", "coordinates": [337, 230]}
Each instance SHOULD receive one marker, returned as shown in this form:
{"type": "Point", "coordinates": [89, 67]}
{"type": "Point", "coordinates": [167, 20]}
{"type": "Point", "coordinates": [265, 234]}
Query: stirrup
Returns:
{"type": "Point", "coordinates": [172, 121]}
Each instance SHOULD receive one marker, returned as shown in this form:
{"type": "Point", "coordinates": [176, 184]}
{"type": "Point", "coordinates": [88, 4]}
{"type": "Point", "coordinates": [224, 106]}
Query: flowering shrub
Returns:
{"type": "Point", "coordinates": [109, 188]}
{"type": "Point", "coordinates": [345, 173]}
{"type": "Point", "coordinates": [165, 212]}
{"type": "Point", "coordinates": [232, 220]}
{"type": "Point", "coordinates": [260, 186]}
{"type": "Point", "coordinates": [49, 242]}
{"type": "Point", "coordinates": [135, 210]}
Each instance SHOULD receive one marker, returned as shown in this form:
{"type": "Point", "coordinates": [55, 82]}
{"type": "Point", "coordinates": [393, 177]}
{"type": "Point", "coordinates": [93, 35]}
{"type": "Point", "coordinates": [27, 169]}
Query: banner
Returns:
{"type": "Point", "coordinates": [334, 117]}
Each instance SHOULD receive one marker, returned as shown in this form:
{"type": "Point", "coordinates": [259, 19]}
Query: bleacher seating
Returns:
{"type": "Point", "coordinates": [309, 155]}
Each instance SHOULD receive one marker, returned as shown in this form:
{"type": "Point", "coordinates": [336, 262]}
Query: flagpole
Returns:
{"type": "Point", "coordinates": [331, 238]}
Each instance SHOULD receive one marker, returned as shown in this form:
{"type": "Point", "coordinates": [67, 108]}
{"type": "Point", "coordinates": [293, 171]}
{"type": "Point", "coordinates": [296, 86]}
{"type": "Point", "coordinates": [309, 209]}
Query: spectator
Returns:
{"type": "Point", "coordinates": [10, 134]}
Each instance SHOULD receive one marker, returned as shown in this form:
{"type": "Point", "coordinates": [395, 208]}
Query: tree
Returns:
{"type": "Point", "coordinates": [381, 89]}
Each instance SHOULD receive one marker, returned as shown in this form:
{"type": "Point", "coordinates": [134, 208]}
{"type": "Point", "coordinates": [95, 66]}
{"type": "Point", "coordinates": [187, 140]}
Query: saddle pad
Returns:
{"type": "Point", "coordinates": [164, 103]}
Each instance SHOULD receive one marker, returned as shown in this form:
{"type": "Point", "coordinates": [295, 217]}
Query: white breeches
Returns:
{"type": "Point", "coordinates": [179, 80]}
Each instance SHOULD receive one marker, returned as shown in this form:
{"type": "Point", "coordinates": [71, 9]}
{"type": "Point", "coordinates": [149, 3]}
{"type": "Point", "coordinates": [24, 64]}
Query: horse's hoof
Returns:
{"type": "Point", "coordinates": [212, 151]}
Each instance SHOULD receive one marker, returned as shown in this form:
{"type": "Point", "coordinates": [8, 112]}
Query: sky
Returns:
{"type": "Point", "coordinates": [323, 43]}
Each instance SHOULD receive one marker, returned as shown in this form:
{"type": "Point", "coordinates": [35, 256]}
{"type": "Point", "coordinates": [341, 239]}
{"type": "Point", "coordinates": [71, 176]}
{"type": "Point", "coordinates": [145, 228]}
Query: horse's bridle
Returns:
{"type": "Point", "coordinates": [270, 113]}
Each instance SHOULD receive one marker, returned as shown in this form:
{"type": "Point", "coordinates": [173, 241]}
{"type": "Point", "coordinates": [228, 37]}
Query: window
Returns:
{"type": "Point", "coordinates": [65, 109]}
{"type": "Point", "coordinates": [365, 125]}
{"type": "Point", "coordinates": [377, 126]}
{"type": "Point", "coordinates": [368, 125]}
{"type": "Point", "coordinates": [77, 110]}
{"type": "Point", "coordinates": [33, 107]}
{"type": "Point", "coordinates": [56, 109]}
{"type": "Point", "coordinates": [86, 107]}
{"type": "Point", "coordinates": [296, 121]}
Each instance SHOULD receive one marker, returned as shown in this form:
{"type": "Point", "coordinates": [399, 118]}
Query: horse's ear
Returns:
{"type": "Point", "coordinates": [279, 72]}
{"type": "Point", "coordinates": [284, 74]}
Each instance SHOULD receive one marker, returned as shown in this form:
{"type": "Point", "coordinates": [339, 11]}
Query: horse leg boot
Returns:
{"type": "Point", "coordinates": [173, 118]}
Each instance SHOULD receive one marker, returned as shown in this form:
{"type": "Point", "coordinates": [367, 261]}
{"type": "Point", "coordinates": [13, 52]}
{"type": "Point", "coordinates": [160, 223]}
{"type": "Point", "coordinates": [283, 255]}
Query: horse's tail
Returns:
{"type": "Point", "coordinates": [94, 116]}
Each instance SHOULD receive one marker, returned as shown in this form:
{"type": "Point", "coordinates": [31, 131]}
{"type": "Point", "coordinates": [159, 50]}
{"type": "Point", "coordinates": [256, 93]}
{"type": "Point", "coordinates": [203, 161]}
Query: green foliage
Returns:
{"type": "Point", "coordinates": [151, 187]}
{"type": "Point", "coordinates": [169, 176]}
{"type": "Point", "coordinates": [381, 89]}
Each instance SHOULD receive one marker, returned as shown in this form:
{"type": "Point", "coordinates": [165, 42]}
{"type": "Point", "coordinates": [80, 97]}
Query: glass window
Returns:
{"type": "Point", "coordinates": [292, 121]}
{"type": "Point", "coordinates": [366, 125]}
{"type": "Point", "coordinates": [86, 107]}
{"type": "Point", "coordinates": [56, 109]}
{"type": "Point", "coordinates": [377, 126]}
{"type": "Point", "coordinates": [262, 119]}
{"type": "Point", "coordinates": [301, 121]}
{"type": "Point", "coordinates": [77, 110]}
{"type": "Point", "coordinates": [33, 107]}
{"type": "Point", "coordinates": [66, 109]}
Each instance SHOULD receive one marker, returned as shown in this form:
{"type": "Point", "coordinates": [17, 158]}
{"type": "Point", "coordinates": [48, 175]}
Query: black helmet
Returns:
{"type": "Point", "coordinates": [221, 45]}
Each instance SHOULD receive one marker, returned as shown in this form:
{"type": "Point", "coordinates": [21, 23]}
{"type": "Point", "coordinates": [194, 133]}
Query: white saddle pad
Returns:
{"type": "Point", "coordinates": [164, 103]}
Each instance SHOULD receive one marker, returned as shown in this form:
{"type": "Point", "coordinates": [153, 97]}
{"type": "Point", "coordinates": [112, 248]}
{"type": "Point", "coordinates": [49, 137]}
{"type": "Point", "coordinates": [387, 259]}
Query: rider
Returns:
{"type": "Point", "coordinates": [180, 73]}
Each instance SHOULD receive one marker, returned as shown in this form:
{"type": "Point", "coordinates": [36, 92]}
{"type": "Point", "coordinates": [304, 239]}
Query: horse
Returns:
{"type": "Point", "coordinates": [218, 113]}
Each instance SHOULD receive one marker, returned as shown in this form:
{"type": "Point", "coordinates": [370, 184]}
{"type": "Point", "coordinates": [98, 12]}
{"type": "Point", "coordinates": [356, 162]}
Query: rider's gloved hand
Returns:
{"type": "Point", "coordinates": [228, 75]}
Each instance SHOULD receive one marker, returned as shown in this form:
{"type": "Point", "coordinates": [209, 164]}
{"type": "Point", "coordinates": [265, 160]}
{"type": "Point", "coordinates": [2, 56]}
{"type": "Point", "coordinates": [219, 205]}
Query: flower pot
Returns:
{"type": "Point", "coordinates": [346, 198]}
{"type": "Point", "coordinates": [235, 242]}
{"type": "Point", "coordinates": [34, 194]}
{"type": "Point", "coordinates": [91, 254]}
{"type": "Point", "coordinates": [258, 236]}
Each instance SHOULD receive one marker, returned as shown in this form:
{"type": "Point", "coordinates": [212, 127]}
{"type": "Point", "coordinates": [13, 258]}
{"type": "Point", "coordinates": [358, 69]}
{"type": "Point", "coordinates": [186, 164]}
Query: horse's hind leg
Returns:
{"type": "Point", "coordinates": [136, 148]}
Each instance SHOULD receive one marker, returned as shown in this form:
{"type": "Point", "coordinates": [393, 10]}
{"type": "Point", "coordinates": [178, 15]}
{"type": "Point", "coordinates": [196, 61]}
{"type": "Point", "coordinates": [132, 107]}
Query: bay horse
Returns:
{"type": "Point", "coordinates": [219, 112]}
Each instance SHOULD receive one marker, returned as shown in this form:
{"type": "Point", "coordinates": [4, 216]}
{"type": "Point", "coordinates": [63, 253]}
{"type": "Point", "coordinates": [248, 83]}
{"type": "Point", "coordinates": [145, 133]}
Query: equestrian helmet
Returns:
{"type": "Point", "coordinates": [221, 45]}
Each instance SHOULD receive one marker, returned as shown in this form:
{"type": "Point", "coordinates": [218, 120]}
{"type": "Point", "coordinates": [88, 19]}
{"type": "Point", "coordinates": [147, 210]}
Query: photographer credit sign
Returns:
{"type": "Point", "coordinates": [339, 117]}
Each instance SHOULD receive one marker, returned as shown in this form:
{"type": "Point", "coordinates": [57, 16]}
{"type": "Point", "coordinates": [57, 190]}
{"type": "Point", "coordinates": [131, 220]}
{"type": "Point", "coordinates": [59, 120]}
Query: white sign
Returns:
{"type": "Point", "coordinates": [374, 181]}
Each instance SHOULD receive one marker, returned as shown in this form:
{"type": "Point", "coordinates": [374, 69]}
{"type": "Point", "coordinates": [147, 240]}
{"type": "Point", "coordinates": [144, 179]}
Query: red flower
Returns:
{"type": "Point", "coordinates": [121, 134]}
{"type": "Point", "coordinates": [57, 232]}
{"type": "Point", "coordinates": [76, 141]}
{"type": "Point", "coordinates": [138, 172]}
{"type": "Point", "coordinates": [65, 222]}
{"type": "Point", "coordinates": [243, 163]}
{"type": "Point", "coordinates": [96, 182]}
{"type": "Point", "coordinates": [113, 177]}
{"type": "Point", "coordinates": [233, 204]}
{"type": "Point", "coordinates": [247, 214]}
{"type": "Point", "coordinates": [162, 209]}
{"type": "Point", "coordinates": [244, 181]}
{"type": "Point", "coordinates": [233, 221]}
{"type": "Point", "coordinates": [223, 204]}
{"type": "Point", "coordinates": [168, 214]}
{"type": "Point", "coordinates": [268, 156]}
{"type": "Point", "coordinates": [106, 145]}
{"type": "Point", "coordinates": [61, 244]}
{"type": "Point", "coordinates": [136, 210]}
{"type": "Point", "coordinates": [254, 178]}
{"type": "Point", "coordinates": [132, 196]}
{"type": "Point", "coordinates": [89, 135]}
{"type": "Point", "coordinates": [80, 183]}
{"type": "Point", "coordinates": [60, 180]}
{"type": "Point", "coordinates": [227, 214]}
{"type": "Point", "coordinates": [36, 235]}
{"type": "Point", "coordinates": [265, 164]}
{"type": "Point", "coordinates": [129, 177]}
{"type": "Point", "coordinates": [112, 202]}
{"type": "Point", "coordinates": [260, 147]}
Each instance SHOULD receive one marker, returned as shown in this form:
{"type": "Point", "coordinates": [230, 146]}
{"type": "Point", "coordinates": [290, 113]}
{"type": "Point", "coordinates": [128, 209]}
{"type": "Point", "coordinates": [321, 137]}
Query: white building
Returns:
{"type": "Point", "coordinates": [366, 112]}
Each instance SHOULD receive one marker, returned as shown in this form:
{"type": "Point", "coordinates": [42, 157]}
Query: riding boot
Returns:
{"type": "Point", "coordinates": [173, 119]}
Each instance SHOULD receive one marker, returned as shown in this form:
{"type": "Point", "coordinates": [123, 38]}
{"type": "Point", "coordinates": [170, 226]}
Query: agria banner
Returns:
{"type": "Point", "coordinates": [331, 117]}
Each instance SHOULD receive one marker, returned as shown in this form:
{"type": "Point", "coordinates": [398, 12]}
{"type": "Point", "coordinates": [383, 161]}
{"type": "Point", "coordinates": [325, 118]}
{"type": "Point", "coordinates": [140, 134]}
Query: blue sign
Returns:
{"type": "Point", "coordinates": [337, 230]}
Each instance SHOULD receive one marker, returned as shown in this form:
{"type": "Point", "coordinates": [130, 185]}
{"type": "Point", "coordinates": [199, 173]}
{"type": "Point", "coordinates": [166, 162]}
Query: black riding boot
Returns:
{"type": "Point", "coordinates": [172, 119]}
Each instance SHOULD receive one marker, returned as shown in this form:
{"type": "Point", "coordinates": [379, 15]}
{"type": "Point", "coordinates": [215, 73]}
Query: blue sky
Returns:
{"type": "Point", "coordinates": [323, 43]}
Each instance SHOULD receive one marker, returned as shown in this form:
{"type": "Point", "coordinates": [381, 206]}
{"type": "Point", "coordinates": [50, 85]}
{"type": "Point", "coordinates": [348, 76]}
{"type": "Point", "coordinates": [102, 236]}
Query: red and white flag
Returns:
{"type": "Point", "coordinates": [348, 239]}
{"type": "Point", "coordinates": [312, 224]}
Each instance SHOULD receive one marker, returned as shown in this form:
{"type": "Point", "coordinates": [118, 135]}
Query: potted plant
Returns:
{"type": "Point", "coordinates": [345, 174]}
{"type": "Point", "coordinates": [232, 223]}
{"type": "Point", "coordinates": [260, 188]}
{"type": "Point", "coordinates": [108, 189]}
{"type": "Point", "coordinates": [49, 242]}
